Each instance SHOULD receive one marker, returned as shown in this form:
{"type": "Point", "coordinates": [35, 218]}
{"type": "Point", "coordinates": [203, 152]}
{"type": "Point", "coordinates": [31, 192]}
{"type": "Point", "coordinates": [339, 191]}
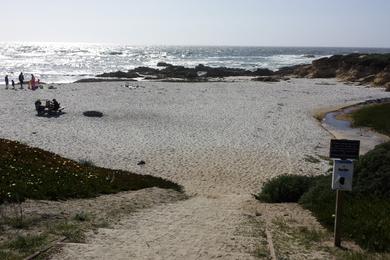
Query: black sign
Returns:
{"type": "Point", "coordinates": [344, 149]}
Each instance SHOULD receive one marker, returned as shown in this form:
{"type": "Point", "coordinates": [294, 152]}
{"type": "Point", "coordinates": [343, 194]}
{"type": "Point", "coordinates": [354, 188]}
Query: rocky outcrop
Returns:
{"type": "Point", "coordinates": [198, 73]}
{"type": "Point", "coordinates": [373, 69]}
{"type": "Point", "coordinates": [118, 74]}
{"type": "Point", "coordinates": [369, 69]}
{"type": "Point", "coordinates": [94, 80]}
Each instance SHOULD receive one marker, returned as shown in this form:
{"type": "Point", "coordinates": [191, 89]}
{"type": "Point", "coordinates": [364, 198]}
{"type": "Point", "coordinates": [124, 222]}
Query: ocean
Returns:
{"type": "Point", "coordinates": [68, 62]}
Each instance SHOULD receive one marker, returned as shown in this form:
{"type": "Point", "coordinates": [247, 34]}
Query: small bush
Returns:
{"type": "Point", "coordinates": [285, 188]}
{"type": "Point", "coordinates": [27, 243]}
{"type": "Point", "coordinates": [366, 209]}
{"type": "Point", "coordinates": [372, 175]}
{"type": "Point", "coordinates": [71, 231]}
{"type": "Point", "coordinates": [7, 255]}
{"type": "Point", "coordinates": [320, 199]}
{"type": "Point", "coordinates": [82, 216]}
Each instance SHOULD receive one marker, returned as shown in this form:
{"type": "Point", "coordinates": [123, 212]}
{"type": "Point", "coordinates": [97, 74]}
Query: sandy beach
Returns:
{"type": "Point", "coordinates": [220, 140]}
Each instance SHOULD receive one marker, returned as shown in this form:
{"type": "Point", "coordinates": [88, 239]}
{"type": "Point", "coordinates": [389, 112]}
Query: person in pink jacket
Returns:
{"type": "Point", "coordinates": [32, 82]}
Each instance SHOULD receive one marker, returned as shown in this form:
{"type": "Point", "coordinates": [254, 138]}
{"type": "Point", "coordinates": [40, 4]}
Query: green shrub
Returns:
{"type": "Point", "coordinates": [366, 209]}
{"type": "Point", "coordinates": [82, 216]}
{"type": "Point", "coordinates": [284, 188]}
{"type": "Point", "coordinates": [71, 231]}
{"type": "Point", "coordinates": [364, 219]}
{"type": "Point", "coordinates": [372, 175]}
{"type": "Point", "coordinates": [320, 199]}
{"type": "Point", "coordinates": [27, 243]}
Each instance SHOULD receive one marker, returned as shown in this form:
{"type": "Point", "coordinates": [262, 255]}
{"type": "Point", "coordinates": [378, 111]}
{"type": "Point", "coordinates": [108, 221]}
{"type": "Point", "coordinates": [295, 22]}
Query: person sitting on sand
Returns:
{"type": "Point", "coordinates": [56, 105]}
{"type": "Point", "coordinates": [21, 80]}
{"type": "Point", "coordinates": [38, 106]}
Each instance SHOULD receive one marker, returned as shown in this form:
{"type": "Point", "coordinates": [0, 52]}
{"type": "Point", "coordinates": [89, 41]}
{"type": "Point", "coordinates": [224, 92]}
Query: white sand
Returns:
{"type": "Point", "coordinates": [221, 141]}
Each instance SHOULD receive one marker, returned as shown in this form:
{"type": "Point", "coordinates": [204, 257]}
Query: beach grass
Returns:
{"type": "Point", "coordinates": [27, 243]}
{"type": "Point", "coordinates": [32, 173]}
{"type": "Point", "coordinates": [374, 116]}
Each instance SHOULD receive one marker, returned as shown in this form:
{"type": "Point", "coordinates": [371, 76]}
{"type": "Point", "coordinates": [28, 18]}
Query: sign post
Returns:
{"type": "Point", "coordinates": [337, 220]}
{"type": "Point", "coordinates": [342, 176]}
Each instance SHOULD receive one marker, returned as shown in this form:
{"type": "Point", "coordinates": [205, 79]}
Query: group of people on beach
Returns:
{"type": "Point", "coordinates": [32, 84]}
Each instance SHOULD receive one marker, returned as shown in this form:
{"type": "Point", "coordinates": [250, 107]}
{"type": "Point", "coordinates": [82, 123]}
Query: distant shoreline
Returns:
{"type": "Point", "coordinates": [69, 62]}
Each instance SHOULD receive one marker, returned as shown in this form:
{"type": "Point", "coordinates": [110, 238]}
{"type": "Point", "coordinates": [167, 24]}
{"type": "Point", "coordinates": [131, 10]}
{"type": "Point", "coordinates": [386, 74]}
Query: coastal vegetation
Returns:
{"type": "Point", "coordinates": [32, 173]}
{"type": "Point", "coordinates": [374, 116]}
{"type": "Point", "coordinates": [367, 207]}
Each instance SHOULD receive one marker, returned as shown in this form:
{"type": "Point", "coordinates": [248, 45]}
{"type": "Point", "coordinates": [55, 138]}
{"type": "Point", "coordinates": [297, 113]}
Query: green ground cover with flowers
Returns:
{"type": "Point", "coordinates": [32, 173]}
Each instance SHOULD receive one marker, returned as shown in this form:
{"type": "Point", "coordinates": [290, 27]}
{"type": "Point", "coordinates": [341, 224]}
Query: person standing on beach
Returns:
{"type": "Point", "coordinates": [32, 82]}
{"type": "Point", "coordinates": [13, 84]}
{"type": "Point", "coordinates": [21, 80]}
{"type": "Point", "coordinates": [6, 81]}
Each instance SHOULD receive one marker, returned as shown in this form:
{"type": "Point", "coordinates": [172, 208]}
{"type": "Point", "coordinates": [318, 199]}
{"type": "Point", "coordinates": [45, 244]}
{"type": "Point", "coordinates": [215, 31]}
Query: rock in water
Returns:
{"type": "Point", "coordinates": [163, 64]}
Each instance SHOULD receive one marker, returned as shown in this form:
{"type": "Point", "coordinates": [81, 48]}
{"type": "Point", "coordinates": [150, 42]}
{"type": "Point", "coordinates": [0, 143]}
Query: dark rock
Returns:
{"type": "Point", "coordinates": [172, 71]}
{"type": "Point", "coordinates": [179, 72]}
{"type": "Point", "coordinates": [267, 79]}
{"type": "Point", "coordinates": [145, 71]}
{"type": "Point", "coordinates": [263, 72]}
{"type": "Point", "coordinates": [141, 163]}
{"type": "Point", "coordinates": [91, 80]}
{"type": "Point", "coordinates": [163, 64]}
{"type": "Point", "coordinates": [119, 74]}
{"type": "Point", "coordinates": [93, 114]}
{"type": "Point", "coordinates": [115, 53]}
{"type": "Point", "coordinates": [221, 72]}
{"type": "Point", "coordinates": [308, 56]}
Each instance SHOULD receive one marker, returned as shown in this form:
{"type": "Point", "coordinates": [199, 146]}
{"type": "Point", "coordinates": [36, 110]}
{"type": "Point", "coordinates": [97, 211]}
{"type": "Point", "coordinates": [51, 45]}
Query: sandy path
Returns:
{"type": "Point", "coordinates": [221, 141]}
{"type": "Point", "coordinates": [198, 228]}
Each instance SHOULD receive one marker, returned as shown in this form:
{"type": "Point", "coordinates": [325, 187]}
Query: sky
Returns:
{"type": "Point", "coordinates": [332, 23]}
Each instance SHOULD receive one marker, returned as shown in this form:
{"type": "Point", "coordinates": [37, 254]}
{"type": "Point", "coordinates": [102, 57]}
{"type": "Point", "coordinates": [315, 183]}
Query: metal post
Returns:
{"type": "Point", "coordinates": [337, 220]}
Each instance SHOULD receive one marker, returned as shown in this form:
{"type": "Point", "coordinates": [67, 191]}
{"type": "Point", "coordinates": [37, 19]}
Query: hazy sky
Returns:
{"type": "Point", "coordinates": [352, 23]}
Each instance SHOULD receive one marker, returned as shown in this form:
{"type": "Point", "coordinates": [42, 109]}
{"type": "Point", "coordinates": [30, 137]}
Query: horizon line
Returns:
{"type": "Point", "coordinates": [192, 45]}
